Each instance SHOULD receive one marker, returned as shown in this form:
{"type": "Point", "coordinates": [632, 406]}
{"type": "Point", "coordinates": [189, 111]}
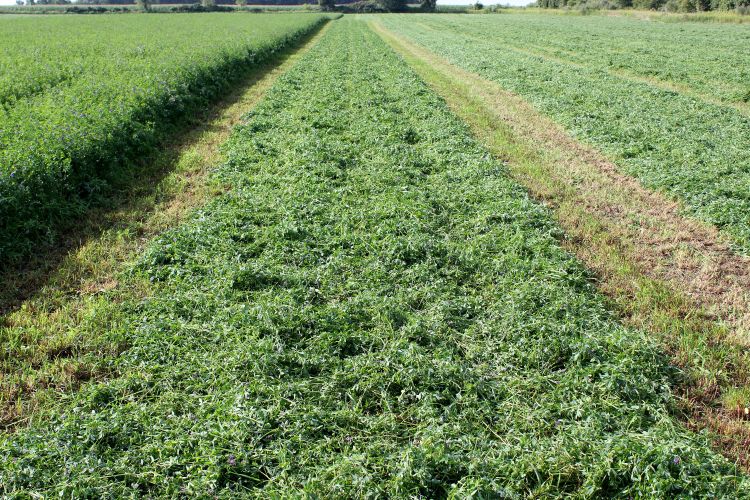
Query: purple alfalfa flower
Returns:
{"type": "Point", "coordinates": [676, 460]}
{"type": "Point", "coordinates": [232, 460]}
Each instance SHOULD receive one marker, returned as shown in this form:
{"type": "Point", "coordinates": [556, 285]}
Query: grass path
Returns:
{"type": "Point", "coordinates": [666, 273]}
{"type": "Point", "coordinates": [51, 339]}
{"type": "Point", "coordinates": [372, 307]}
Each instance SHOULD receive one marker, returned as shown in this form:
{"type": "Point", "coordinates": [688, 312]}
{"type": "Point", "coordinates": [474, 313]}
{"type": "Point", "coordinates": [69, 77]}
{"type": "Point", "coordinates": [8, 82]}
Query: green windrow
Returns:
{"type": "Point", "coordinates": [669, 103]}
{"type": "Point", "coordinates": [78, 112]}
{"type": "Point", "coordinates": [372, 308]}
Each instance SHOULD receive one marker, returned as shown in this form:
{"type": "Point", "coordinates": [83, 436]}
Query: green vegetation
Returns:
{"type": "Point", "coordinates": [138, 6]}
{"type": "Point", "coordinates": [739, 16]}
{"type": "Point", "coordinates": [372, 306]}
{"type": "Point", "coordinates": [50, 340]}
{"type": "Point", "coordinates": [75, 112]}
{"type": "Point", "coordinates": [675, 118]}
{"type": "Point", "coordinates": [741, 7]}
{"type": "Point", "coordinates": [604, 215]}
{"type": "Point", "coordinates": [604, 8]}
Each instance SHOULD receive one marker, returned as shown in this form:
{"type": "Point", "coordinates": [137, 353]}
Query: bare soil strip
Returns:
{"type": "Point", "coordinates": [40, 334]}
{"type": "Point", "coordinates": [664, 272]}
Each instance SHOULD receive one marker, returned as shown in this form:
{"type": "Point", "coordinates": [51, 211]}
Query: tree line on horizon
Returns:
{"type": "Point", "coordinates": [325, 5]}
{"type": "Point", "coordinates": [740, 6]}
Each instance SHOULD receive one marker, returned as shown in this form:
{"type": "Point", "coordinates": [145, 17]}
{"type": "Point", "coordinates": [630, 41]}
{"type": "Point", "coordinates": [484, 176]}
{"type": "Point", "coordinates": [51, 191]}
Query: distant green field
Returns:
{"type": "Point", "coordinates": [81, 96]}
{"type": "Point", "coordinates": [371, 308]}
{"type": "Point", "coordinates": [670, 103]}
{"type": "Point", "coordinates": [119, 8]}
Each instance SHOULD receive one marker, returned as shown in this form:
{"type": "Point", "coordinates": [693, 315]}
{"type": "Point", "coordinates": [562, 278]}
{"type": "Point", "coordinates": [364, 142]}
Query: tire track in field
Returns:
{"type": "Point", "coordinates": [666, 273]}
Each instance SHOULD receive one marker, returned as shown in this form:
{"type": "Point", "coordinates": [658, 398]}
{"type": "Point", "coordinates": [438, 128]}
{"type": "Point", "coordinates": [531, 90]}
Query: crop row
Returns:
{"type": "Point", "coordinates": [716, 63]}
{"type": "Point", "coordinates": [695, 149]}
{"type": "Point", "coordinates": [76, 110]}
{"type": "Point", "coordinates": [373, 307]}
